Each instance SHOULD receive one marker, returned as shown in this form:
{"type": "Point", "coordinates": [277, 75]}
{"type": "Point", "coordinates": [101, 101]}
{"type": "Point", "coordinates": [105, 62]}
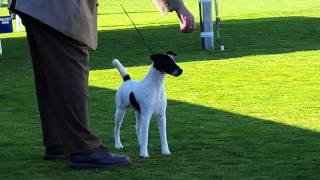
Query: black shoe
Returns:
{"type": "Point", "coordinates": [97, 158]}
{"type": "Point", "coordinates": [55, 153]}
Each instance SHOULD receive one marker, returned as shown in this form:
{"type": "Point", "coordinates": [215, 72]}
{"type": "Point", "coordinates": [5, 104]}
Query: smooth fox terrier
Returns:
{"type": "Point", "coordinates": [147, 97]}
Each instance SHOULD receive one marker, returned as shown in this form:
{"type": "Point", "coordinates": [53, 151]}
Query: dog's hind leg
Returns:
{"type": "Point", "coordinates": [118, 121]}
{"type": "Point", "coordinates": [163, 133]}
{"type": "Point", "coordinates": [138, 119]}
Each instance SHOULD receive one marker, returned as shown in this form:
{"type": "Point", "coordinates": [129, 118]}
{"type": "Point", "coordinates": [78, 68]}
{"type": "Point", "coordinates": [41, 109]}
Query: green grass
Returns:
{"type": "Point", "coordinates": [250, 112]}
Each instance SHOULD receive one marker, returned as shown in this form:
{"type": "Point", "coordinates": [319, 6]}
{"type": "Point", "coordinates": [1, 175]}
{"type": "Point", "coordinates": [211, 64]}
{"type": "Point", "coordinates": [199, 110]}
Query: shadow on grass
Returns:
{"type": "Point", "coordinates": [240, 37]}
{"type": "Point", "coordinates": [210, 143]}
{"type": "Point", "coordinates": [206, 143]}
{"type": "Point", "coordinates": [129, 12]}
{"type": "Point", "coordinates": [4, 5]}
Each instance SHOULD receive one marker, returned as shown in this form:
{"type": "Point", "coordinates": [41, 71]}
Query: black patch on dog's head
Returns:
{"type": "Point", "coordinates": [165, 63]}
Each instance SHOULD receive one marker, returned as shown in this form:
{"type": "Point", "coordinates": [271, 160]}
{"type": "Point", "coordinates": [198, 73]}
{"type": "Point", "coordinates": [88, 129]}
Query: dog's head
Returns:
{"type": "Point", "coordinates": [165, 63]}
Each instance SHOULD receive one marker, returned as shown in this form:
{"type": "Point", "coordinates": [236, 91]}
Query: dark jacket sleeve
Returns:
{"type": "Point", "coordinates": [166, 6]}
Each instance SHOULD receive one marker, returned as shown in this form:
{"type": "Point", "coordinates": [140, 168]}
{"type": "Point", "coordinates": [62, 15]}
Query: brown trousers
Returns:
{"type": "Point", "coordinates": [61, 67]}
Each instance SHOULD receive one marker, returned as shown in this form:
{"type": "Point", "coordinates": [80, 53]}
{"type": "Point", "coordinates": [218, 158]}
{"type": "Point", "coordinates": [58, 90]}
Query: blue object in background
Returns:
{"type": "Point", "coordinates": [6, 24]}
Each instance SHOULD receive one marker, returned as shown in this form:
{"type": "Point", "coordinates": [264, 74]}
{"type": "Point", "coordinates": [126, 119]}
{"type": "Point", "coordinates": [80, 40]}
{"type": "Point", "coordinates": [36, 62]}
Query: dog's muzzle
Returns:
{"type": "Point", "coordinates": [177, 72]}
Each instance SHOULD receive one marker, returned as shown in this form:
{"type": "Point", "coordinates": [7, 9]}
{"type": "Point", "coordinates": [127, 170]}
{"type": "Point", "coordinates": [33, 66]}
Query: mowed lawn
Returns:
{"type": "Point", "coordinates": [249, 112]}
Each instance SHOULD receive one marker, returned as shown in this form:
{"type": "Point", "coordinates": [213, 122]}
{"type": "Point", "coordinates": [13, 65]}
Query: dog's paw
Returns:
{"type": "Point", "coordinates": [144, 155]}
{"type": "Point", "coordinates": [119, 146]}
{"type": "Point", "coordinates": [167, 152]}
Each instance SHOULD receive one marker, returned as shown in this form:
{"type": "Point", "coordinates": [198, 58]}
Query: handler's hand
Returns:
{"type": "Point", "coordinates": [187, 24]}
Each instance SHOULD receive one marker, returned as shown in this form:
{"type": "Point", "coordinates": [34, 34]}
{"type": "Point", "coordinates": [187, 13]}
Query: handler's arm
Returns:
{"type": "Point", "coordinates": [187, 23]}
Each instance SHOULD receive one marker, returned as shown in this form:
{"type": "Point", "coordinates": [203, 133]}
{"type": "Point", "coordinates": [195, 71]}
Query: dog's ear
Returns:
{"type": "Point", "coordinates": [171, 53]}
{"type": "Point", "coordinates": [153, 57]}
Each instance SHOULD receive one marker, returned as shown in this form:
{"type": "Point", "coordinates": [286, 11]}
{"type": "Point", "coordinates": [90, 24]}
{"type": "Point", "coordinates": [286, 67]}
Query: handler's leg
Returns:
{"type": "Point", "coordinates": [64, 64]}
{"type": "Point", "coordinates": [51, 139]}
{"type": "Point", "coordinates": [61, 74]}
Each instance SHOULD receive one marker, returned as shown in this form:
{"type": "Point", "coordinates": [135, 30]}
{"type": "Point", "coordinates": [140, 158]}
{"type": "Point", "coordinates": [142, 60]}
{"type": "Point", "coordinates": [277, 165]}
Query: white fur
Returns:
{"type": "Point", "coordinates": [151, 96]}
{"type": "Point", "coordinates": [120, 68]}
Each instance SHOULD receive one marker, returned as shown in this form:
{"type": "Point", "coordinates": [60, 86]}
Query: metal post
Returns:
{"type": "Point", "coordinates": [0, 51]}
{"type": "Point", "coordinates": [219, 45]}
{"type": "Point", "coordinates": [18, 24]}
{"type": "Point", "coordinates": [207, 35]}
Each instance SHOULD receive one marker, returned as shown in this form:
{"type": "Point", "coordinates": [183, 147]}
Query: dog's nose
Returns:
{"type": "Point", "coordinates": [178, 72]}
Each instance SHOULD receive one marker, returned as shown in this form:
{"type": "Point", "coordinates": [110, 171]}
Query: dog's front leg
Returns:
{"type": "Point", "coordinates": [163, 133]}
{"type": "Point", "coordinates": [144, 130]}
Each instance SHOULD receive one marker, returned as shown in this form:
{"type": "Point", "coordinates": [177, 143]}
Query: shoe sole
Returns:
{"type": "Point", "coordinates": [82, 166]}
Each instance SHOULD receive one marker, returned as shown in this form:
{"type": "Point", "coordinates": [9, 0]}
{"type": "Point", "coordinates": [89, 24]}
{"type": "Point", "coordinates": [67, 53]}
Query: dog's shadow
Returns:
{"type": "Point", "coordinates": [208, 142]}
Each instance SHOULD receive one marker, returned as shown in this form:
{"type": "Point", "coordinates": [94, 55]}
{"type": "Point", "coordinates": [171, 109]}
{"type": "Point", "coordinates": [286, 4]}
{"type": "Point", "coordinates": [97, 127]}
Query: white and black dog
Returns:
{"type": "Point", "coordinates": [147, 97]}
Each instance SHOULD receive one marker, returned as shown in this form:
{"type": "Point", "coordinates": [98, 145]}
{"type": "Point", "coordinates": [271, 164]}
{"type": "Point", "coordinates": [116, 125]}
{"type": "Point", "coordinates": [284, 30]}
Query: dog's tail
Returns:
{"type": "Point", "coordinates": [125, 76]}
